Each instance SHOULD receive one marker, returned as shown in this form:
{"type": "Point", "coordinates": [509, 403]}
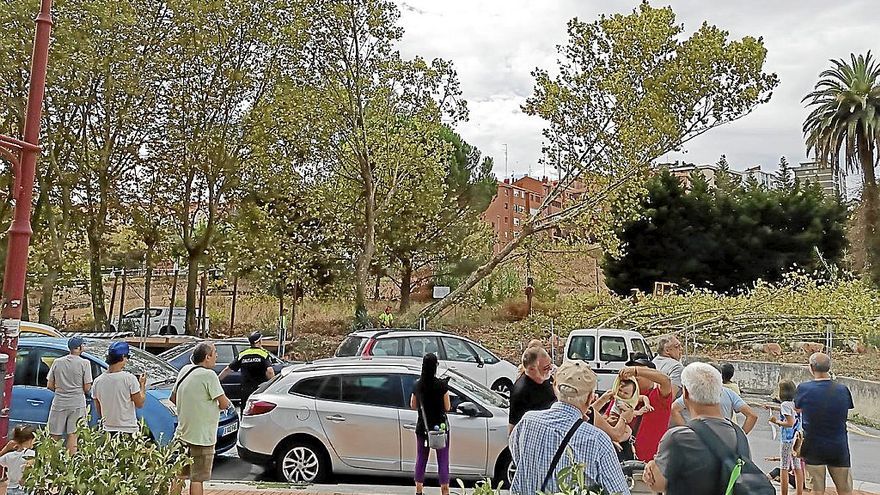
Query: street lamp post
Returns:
{"type": "Point", "coordinates": [22, 154]}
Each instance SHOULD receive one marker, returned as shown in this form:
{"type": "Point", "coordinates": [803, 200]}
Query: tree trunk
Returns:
{"type": "Point", "coordinates": [192, 287]}
{"type": "Point", "coordinates": [47, 294]}
{"type": "Point", "coordinates": [871, 201]}
{"type": "Point", "coordinates": [148, 286]}
{"type": "Point", "coordinates": [474, 278]}
{"type": "Point", "coordinates": [405, 285]}
{"type": "Point", "coordinates": [368, 247]}
{"type": "Point", "coordinates": [96, 283]}
{"type": "Point", "coordinates": [234, 301]}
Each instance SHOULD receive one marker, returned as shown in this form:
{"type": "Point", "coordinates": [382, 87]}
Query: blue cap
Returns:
{"type": "Point", "coordinates": [75, 342]}
{"type": "Point", "coordinates": [119, 349]}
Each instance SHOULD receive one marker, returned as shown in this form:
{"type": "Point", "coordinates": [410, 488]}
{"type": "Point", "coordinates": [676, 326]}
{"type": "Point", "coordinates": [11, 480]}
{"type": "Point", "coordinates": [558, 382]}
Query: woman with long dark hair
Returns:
{"type": "Point", "coordinates": [431, 398]}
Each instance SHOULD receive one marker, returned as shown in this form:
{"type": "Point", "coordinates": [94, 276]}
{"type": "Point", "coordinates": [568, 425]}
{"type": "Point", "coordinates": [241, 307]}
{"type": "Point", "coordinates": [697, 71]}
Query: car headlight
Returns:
{"type": "Point", "coordinates": [169, 405]}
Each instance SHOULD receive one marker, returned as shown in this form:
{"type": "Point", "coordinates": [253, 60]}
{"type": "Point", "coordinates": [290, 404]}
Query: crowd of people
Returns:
{"type": "Point", "coordinates": [683, 422]}
{"type": "Point", "coordinates": [670, 416]}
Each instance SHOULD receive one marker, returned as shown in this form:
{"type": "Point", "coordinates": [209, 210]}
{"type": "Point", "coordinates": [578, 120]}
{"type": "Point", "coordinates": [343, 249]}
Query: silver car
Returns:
{"type": "Point", "coordinates": [352, 416]}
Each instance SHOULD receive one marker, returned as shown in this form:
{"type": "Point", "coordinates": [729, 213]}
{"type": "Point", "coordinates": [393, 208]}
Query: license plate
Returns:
{"type": "Point", "coordinates": [228, 429]}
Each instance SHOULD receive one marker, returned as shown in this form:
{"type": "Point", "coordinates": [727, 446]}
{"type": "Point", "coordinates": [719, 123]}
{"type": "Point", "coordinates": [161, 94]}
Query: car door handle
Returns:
{"type": "Point", "coordinates": [35, 402]}
{"type": "Point", "coordinates": [409, 426]}
{"type": "Point", "coordinates": [336, 418]}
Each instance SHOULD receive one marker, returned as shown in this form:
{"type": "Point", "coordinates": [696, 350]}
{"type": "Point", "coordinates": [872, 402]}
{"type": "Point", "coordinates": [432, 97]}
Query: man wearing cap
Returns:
{"type": "Point", "coordinates": [539, 435]}
{"type": "Point", "coordinates": [255, 367]}
{"type": "Point", "coordinates": [70, 377]}
{"type": "Point", "coordinates": [118, 393]}
{"type": "Point", "coordinates": [657, 386]}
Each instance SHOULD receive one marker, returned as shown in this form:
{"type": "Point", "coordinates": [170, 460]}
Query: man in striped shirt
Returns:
{"type": "Point", "coordinates": [536, 438]}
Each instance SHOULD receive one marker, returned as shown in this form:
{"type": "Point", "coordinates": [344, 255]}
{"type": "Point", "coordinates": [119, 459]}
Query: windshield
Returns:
{"type": "Point", "coordinates": [475, 389]}
{"type": "Point", "coordinates": [157, 371]}
{"type": "Point", "coordinates": [176, 351]}
{"type": "Point", "coordinates": [350, 346]}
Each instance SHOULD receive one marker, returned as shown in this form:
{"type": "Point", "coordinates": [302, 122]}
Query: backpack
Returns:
{"type": "Point", "coordinates": [739, 475]}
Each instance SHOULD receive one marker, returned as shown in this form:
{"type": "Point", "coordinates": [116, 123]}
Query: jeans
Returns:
{"type": "Point", "coordinates": [422, 454]}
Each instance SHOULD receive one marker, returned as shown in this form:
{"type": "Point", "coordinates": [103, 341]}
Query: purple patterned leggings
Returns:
{"type": "Point", "coordinates": [422, 454]}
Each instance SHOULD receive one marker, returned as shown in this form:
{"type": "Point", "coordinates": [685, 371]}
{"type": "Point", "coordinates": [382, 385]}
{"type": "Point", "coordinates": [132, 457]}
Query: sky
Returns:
{"type": "Point", "coordinates": [495, 44]}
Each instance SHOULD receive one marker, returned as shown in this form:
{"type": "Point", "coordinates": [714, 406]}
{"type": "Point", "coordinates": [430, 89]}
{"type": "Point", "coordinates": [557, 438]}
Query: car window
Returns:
{"type": "Point", "coordinates": [486, 356]}
{"type": "Point", "coordinates": [25, 368]}
{"type": "Point", "coordinates": [44, 361]}
{"type": "Point", "coordinates": [458, 350]}
{"type": "Point", "coordinates": [613, 349]}
{"type": "Point", "coordinates": [309, 387]}
{"type": "Point", "coordinates": [471, 388]}
{"type": "Point", "coordinates": [330, 390]}
{"type": "Point", "coordinates": [350, 346]}
{"type": "Point", "coordinates": [136, 313]}
{"type": "Point", "coordinates": [225, 353]}
{"type": "Point", "coordinates": [419, 346]}
{"type": "Point", "coordinates": [582, 347]}
{"type": "Point", "coordinates": [390, 347]}
{"type": "Point", "coordinates": [155, 312]}
{"type": "Point", "coordinates": [638, 345]}
{"type": "Point", "coordinates": [373, 390]}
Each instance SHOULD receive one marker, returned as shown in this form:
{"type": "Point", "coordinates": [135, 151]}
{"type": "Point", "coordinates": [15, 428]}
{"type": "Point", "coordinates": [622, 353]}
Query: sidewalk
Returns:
{"type": "Point", "coordinates": [256, 488]}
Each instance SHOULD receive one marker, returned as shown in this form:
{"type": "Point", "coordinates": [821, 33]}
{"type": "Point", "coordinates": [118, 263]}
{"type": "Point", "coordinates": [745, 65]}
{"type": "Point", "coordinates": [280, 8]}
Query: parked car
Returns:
{"type": "Point", "coordinates": [605, 350]}
{"type": "Point", "coordinates": [352, 416]}
{"type": "Point", "coordinates": [458, 353]}
{"type": "Point", "coordinates": [159, 325]}
{"type": "Point", "coordinates": [31, 399]}
{"type": "Point", "coordinates": [30, 329]}
{"type": "Point", "coordinates": [227, 350]}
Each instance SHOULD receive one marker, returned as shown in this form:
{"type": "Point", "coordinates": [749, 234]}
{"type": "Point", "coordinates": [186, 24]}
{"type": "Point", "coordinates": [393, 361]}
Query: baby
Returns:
{"type": "Point", "coordinates": [624, 392]}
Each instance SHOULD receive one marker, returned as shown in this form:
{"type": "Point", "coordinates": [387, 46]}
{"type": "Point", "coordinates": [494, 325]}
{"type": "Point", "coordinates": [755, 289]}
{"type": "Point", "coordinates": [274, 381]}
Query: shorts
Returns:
{"type": "Point", "coordinates": [64, 422]}
{"type": "Point", "coordinates": [841, 476]}
{"type": "Point", "coordinates": [787, 459]}
{"type": "Point", "coordinates": [202, 462]}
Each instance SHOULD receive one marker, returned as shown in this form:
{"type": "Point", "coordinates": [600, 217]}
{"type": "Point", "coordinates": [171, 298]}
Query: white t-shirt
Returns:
{"type": "Point", "coordinates": [114, 391]}
{"type": "Point", "coordinates": [14, 463]}
{"type": "Point", "coordinates": [70, 373]}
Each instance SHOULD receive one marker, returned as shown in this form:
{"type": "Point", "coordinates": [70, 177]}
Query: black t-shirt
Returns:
{"type": "Point", "coordinates": [252, 363]}
{"type": "Point", "coordinates": [430, 398]}
{"type": "Point", "coordinates": [529, 396]}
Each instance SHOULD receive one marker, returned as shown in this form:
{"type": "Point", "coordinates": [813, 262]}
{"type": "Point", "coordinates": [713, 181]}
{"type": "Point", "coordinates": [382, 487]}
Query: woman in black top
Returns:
{"type": "Point", "coordinates": [431, 395]}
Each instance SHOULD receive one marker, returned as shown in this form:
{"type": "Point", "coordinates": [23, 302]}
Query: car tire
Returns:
{"type": "Point", "coordinates": [302, 461]}
{"type": "Point", "coordinates": [504, 470]}
{"type": "Point", "coordinates": [167, 331]}
{"type": "Point", "coordinates": [503, 386]}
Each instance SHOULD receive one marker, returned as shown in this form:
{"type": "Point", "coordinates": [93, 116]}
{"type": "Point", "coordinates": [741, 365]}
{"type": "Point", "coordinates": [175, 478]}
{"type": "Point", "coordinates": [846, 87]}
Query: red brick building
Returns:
{"type": "Point", "coordinates": [516, 201]}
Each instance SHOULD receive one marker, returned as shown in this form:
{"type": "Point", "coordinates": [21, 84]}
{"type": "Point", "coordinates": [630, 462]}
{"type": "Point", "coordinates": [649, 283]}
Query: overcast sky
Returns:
{"type": "Point", "coordinates": [495, 44]}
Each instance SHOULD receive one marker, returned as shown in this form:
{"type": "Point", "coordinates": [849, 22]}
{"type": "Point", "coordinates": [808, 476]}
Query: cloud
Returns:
{"type": "Point", "coordinates": [496, 44]}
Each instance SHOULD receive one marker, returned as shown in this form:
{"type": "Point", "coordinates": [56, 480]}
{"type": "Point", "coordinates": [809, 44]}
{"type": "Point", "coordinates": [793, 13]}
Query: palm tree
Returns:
{"type": "Point", "coordinates": [844, 126]}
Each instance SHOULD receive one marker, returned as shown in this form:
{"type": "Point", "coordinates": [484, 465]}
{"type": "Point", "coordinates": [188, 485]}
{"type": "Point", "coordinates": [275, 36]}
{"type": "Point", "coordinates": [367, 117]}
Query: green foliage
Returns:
{"type": "Point", "coordinates": [784, 177]}
{"type": "Point", "coordinates": [103, 465]}
{"type": "Point", "coordinates": [724, 238]}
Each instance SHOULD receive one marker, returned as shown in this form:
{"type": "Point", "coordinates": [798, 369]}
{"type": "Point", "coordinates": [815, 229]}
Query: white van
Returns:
{"type": "Point", "coordinates": [159, 325]}
{"type": "Point", "coordinates": [606, 350]}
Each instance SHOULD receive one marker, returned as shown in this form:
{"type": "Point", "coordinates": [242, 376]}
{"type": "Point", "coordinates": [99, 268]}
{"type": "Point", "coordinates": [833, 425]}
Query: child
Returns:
{"type": "Point", "coordinates": [16, 460]}
{"type": "Point", "coordinates": [789, 421]}
{"type": "Point", "coordinates": [626, 391]}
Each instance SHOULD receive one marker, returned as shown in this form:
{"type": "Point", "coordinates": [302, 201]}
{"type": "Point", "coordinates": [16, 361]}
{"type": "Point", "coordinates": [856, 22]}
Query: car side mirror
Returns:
{"type": "Point", "coordinates": [469, 409]}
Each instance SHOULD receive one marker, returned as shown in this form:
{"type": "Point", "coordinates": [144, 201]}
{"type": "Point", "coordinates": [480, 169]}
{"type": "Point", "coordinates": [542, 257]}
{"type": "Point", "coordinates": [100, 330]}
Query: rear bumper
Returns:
{"type": "Point", "coordinates": [253, 457]}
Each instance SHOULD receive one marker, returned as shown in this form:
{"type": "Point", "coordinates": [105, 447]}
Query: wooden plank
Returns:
{"type": "Point", "coordinates": [167, 342]}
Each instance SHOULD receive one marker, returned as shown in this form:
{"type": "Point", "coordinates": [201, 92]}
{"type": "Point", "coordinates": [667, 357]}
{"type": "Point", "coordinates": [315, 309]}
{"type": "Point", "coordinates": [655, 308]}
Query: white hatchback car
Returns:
{"type": "Point", "coordinates": [352, 416]}
{"type": "Point", "coordinates": [457, 353]}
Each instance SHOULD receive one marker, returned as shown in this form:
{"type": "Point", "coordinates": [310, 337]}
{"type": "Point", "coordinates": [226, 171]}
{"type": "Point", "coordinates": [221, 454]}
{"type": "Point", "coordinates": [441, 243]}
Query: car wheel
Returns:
{"type": "Point", "coordinates": [302, 462]}
{"type": "Point", "coordinates": [504, 471]}
{"type": "Point", "coordinates": [503, 386]}
{"type": "Point", "coordinates": [165, 331]}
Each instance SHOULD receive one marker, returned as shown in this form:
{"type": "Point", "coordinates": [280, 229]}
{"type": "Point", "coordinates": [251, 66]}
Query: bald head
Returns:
{"type": "Point", "coordinates": [820, 362]}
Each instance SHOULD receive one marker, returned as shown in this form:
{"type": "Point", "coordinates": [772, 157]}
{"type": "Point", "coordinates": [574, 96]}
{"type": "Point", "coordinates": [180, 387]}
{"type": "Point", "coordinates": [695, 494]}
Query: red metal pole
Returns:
{"type": "Point", "coordinates": [20, 231]}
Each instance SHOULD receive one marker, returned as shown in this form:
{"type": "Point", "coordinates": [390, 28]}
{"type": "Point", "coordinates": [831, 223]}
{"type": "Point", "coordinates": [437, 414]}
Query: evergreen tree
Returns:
{"type": "Point", "coordinates": [784, 177]}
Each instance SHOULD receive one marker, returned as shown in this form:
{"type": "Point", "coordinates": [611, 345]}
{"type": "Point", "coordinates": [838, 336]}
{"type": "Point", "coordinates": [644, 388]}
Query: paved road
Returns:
{"type": "Point", "coordinates": [864, 450]}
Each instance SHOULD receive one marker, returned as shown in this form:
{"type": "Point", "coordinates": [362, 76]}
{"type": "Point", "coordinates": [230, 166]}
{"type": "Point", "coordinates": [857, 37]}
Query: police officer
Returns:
{"type": "Point", "coordinates": [255, 367]}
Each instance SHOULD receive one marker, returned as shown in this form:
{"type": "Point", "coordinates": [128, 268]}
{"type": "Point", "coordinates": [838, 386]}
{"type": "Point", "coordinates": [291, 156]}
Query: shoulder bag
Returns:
{"type": "Point", "coordinates": [739, 475]}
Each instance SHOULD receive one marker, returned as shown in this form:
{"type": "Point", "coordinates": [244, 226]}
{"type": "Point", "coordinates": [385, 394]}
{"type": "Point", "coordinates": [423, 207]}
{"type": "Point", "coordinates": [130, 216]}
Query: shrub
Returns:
{"type": "Point", "coordinates": [104, 465]}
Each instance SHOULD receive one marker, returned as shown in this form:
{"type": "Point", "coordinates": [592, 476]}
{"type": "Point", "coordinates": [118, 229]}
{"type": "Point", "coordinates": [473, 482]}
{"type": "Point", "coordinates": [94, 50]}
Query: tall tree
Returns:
{"type": "Point", "coordinates": [369, 93]}
{"type": "Point", "coordinates": [609, 115]}
{"type": "Point", "coordinates": [784, 177]}
{"type": "Point", "coordinates": [843, 130]}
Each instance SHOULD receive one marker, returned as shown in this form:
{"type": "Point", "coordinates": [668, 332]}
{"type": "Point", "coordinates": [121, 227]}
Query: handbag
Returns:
{"type": "Point", "coordinates": [437, 440]}
{"type": "Point", "coordinates": [798, 444]}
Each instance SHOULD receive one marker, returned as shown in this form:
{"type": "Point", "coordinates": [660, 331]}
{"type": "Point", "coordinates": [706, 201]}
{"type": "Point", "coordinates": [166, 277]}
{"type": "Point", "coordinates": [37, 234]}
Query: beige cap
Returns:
{"type": "Point", "coordinates": [574, 380]}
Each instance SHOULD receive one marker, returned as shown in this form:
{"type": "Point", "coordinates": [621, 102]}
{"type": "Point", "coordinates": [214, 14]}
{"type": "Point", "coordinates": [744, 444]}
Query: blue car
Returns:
{"type": "Point", "coordinates": [31, 399]}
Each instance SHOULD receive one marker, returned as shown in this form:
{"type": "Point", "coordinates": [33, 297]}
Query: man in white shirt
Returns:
{"type": "Point", "coordinates": [118, 393]}
{"type": "Point", "coordinates": [70, 377]}
{"type": "Point", "coordinates": [668, 360]}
